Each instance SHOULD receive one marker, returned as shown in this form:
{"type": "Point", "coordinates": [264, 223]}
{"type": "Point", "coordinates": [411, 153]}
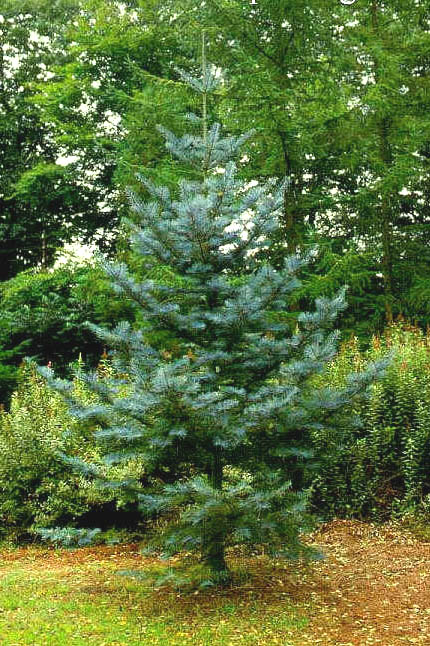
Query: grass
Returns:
{"type": "Point", "coordinates": [54, 598]}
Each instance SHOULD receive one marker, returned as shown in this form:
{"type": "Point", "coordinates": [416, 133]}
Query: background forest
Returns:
{"type": "Point", "coordinates": [339, 97]}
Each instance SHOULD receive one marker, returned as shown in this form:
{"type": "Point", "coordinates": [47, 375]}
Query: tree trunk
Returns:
{"type": "Point", "coordinates": [387, 261]}
{"type": "Point", "coordinates": [214, 556]}
{"type": "Point", "coordinates": [44, 262]}
{"type": "Point", "coordinates": [213, 549]}
{"type": "Point", "coordinates": [386, 157]}
{"type": "Point", "coordinates": [289, 219]}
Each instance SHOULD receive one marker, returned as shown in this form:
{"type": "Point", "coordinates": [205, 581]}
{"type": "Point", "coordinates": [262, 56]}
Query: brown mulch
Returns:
{"type": "Point", "coordinates": [373, 588]}
{"type": "Point", "coordinates": [53, 558]}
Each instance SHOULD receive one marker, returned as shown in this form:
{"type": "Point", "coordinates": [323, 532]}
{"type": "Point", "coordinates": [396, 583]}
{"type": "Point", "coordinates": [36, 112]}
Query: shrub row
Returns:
{"type": "Point", "coordinates": [37, 488]}
{"type": "Point", "coordinates": [380, 466]}
{"type": "Point", "coordinates": [375, 468]}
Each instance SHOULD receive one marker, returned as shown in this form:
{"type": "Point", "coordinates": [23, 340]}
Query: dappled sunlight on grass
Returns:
{"type": "Point", "coordinates": [53, 598]}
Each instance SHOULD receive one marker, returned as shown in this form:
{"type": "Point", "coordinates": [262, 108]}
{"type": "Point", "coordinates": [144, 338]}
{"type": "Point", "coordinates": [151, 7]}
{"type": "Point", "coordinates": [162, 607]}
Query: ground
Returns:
{"type": "Point", "coordinates": [372, 588]}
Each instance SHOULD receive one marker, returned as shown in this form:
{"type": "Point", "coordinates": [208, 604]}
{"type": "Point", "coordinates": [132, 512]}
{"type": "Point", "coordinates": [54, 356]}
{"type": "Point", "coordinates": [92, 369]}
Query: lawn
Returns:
{"type": "Point", "coordinates": [371, 589]}
{"type": "Point", "coordinates": [54, 598]}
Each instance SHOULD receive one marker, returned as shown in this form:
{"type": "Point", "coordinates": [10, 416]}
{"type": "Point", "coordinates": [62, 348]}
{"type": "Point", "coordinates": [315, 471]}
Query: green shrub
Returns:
{"type": "Point", "coordinates": [382, 466]}
{"type": "Point", "coordinates": [37, 489]}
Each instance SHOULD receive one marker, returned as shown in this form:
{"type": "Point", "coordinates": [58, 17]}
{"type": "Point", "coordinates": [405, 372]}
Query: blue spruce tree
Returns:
{"type": "Point", "coordinates": [232, 404]}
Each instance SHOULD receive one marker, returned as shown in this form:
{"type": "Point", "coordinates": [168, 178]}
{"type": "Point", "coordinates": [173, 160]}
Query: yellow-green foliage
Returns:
{"type": "Point", "coordinates": [384, 465]}
{"type": "Point", "coordinates": [37, 489]}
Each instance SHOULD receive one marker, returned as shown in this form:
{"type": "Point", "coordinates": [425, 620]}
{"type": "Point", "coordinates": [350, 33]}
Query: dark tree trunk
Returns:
{"type": "Point", "coordinates": [387, 233]}
{"type": "Point", "coordinates": [213, 549]}
{"type": "Point", "coordinates": [386, 157]}
{"type": "Point", "coordinates": [214, 556]}
{"type": "Point", "coordinates": [289, 216]}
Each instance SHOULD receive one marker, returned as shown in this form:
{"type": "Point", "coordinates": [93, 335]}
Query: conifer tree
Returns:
{"type": "Point", "coordinates": [231, 404]}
